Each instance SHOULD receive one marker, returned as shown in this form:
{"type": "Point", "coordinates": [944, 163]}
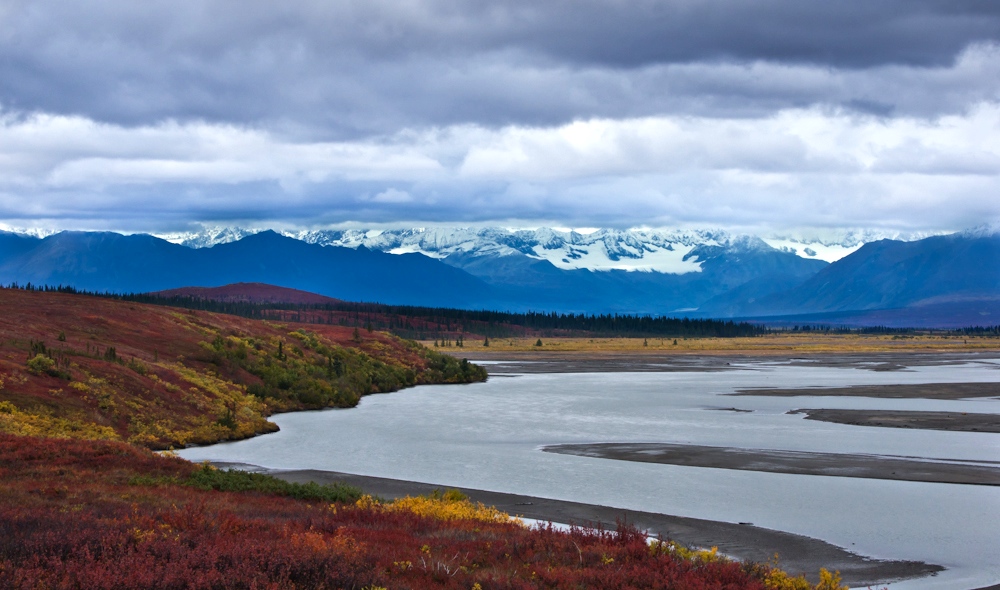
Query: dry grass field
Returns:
{"type": "Point", "coordinates": [777, 344]}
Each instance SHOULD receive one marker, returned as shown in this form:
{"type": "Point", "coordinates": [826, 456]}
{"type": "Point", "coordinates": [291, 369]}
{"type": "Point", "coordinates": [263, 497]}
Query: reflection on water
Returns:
{"type": "Point", "coordinates": [488, 436]}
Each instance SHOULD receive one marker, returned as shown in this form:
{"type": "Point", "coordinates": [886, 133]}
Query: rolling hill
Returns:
{"type": "Point", "coordinates": [250, 293]}
{"type": "Point", "coordinates": [156, 376]}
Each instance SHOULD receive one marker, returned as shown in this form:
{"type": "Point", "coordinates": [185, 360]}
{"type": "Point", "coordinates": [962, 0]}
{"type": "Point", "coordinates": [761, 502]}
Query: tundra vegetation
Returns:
{"type": "Point", "coordinates": [85, 503]}
{"type": "Point", "coordinates": [160, 377]}
{"type": "Point", "coordinates": [105, 514]}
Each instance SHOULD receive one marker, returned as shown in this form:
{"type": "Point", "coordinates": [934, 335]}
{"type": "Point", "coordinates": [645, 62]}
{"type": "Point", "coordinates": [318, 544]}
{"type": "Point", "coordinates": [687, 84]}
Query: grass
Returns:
{"type": "Point", "coordinates": [208, 477]}
{"type": "Point", "coordinates": [229, 480]}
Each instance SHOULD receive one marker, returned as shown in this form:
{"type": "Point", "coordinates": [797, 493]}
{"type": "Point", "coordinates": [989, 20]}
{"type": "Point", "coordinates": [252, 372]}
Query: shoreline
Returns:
{"type": "Point", "coordinates": [501, 362]}
{"type": "Point", "coordinates": [798, 554]}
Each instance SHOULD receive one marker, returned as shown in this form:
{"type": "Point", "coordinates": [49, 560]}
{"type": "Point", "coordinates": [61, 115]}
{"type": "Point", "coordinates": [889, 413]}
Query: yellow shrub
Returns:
{"type": "Point", "coordinates": [442, 508]}
{"type": "Point", "coordinates": [776, 579]}
{"type": "Point", "coordinates": [677, 550]}
{"type": "Point", "coordinates": [779, 580]}
{"type": "Point", "coordinates": [16, 421]}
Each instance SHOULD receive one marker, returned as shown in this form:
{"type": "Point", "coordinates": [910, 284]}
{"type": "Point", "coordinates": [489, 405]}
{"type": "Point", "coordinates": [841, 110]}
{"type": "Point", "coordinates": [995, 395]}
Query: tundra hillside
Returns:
{"type": "Point", "coordinates": [87, 367]}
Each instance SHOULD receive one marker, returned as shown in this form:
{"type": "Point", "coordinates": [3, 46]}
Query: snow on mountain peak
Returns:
{"type": "Point", "coordinates": [986, 230]}
{"type": "Point", "coordinates": [28, 232]}
{"type": "Point", "coordinates": [209, 236]}
{"type": "Point", "coordinates": [669, 251]}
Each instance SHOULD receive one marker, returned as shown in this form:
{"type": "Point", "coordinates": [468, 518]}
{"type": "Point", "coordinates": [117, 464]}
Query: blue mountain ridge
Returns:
{"type": "Point", "coordinates": [136, 263]}
{"type": "Point", "coordinates": [953, 279]}
{"type": "Point", "coordinates": [140, 263]}
{"type": "Point", "coordinates": [951, 272]}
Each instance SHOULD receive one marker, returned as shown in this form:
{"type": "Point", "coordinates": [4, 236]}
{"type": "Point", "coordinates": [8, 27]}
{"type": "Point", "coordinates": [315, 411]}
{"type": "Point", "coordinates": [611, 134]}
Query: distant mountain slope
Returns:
{"type": "Point", "coordinates": [143, 263]}
{"type": "Point", "coordinates": [528, 282]}
{"type": "Point", "coordinates": [14, 244]}
{"type": "Point", "coordinates": [894, 275]}
{"type": "Point", "coordinates": [949, 315]}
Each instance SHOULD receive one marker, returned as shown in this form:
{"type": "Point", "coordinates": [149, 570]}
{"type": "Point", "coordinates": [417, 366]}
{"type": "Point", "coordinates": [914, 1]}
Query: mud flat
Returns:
{"type": "Point", "coordinates": [950, 421]}
{"type": "Point", "coordinates": [798, 554]}
{"type": "Point", "coordinates": [794, 462]}
{"type": "Point", "coordinates": [945, 391]}
{"type": "Point", "coordinates": [501, 362]}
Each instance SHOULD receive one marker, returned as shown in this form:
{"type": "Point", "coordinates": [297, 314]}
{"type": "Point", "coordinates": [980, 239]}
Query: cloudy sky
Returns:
{"type": "Point", "coordinates": [773, 114]}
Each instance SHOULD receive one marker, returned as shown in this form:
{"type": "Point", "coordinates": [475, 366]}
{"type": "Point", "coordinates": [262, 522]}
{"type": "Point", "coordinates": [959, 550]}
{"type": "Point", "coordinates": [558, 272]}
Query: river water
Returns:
{"type": "Point", "coordinates": [488, 435]}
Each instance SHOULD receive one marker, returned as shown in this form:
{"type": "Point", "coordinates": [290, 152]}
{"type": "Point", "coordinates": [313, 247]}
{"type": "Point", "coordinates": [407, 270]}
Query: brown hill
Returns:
{"type": "Point", "coordinates": [249, 293]}
{"type": "Point", "coordinates": [91, 367]}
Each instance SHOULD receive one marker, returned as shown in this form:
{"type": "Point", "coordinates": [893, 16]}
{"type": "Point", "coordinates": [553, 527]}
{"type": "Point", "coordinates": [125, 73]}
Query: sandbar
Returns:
{"type": "Point", "coordinates": [502, 362]}
{"type": "Point", "coordinates": [949, 421]}
{"type": "Point", "coordinates": [944, 391]}
{"type": "Point", "coordinates": [794, 462]}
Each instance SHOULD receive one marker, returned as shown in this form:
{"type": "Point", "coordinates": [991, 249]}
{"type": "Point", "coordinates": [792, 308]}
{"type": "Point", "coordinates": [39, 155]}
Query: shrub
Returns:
{"type": "Point", "coordinates": [40, 365]}
{"type": "Point", "coordinates": [43, 365]}
{"type": "Point", "coordinates": [450, 505]}
{"type": "Point", "coordinates": [228, 480]}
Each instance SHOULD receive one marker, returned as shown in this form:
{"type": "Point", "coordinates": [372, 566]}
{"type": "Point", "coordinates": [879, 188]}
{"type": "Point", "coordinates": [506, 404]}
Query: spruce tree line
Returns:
{"type": "Point", "coordinates": [427, 323]}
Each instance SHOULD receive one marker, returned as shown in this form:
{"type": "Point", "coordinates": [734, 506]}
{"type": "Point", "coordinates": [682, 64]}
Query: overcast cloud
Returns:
{"type": "Point", "coordinates": [772, 114]}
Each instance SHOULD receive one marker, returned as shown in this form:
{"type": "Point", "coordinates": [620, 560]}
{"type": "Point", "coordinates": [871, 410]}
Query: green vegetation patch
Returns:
{"type": "Point", "coordinates": [230, 480]}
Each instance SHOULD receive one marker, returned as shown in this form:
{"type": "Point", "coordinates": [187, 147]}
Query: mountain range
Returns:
{"type": "Point", "coordinates": [942, 279]}
{"type": "Point", "coordinates": [602, 249]}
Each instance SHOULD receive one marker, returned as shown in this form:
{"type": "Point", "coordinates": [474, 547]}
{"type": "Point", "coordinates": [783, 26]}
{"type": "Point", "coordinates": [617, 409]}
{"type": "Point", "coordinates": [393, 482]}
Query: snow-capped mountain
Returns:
{"type": "Point", "coordinates": [986, 230]}
{"type": "Point", "coordinates": [666, 251]}
{"type": "Point", "coordinates": [950, 280]}
{"type": "Point", "coordinates": [28, 232]}
{"type": "Point", "coordinates": [209, 236]}
{"type": "Point", "coordinates": [833, 245]}
{"type": "Point", "coordinates": [603, 249]}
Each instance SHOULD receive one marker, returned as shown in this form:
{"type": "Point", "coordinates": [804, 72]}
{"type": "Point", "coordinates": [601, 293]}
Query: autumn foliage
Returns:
{"type": "Point", "coordinates": [103, 514]}
{"type": "Point", "coordinates": [88, 367]}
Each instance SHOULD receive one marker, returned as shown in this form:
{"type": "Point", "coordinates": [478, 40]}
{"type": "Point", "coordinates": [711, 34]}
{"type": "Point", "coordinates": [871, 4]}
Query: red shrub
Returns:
{"type": "Point", "coordinates": [69, 518]}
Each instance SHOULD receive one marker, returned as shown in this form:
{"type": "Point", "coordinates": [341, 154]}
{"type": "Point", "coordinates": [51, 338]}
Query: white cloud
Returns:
{"type": "Point", "coordinates": [392, 195]}
{"type": "Point", "coordinates": [813, 166]}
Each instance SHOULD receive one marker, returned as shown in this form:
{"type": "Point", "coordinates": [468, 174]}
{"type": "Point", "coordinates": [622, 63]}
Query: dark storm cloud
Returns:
{"type": "Point", "coordinates": [157, 114]}
{"type": "Point", "coordinates": [837, 34]}
{"type": "Point", "coordinates": [348, 69]}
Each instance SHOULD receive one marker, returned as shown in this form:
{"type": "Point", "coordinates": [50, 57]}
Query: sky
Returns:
{"type": "Point", "coordinates": [769, 115]}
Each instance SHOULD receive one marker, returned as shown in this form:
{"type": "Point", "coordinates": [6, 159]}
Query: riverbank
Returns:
{"type": "Point", "coordinates": [498, 361]}
{"type": "Point", "coordinates": [798, 554]}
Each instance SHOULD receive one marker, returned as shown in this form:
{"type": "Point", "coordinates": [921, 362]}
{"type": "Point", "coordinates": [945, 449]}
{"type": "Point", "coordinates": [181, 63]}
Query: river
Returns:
{"type": "Point", "coordinates": [489, 435]}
